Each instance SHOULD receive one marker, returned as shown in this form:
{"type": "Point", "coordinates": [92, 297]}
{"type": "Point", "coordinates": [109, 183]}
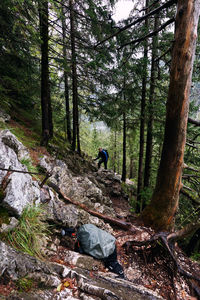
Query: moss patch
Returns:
{"type": "Point", "coordinates": [4, 216]}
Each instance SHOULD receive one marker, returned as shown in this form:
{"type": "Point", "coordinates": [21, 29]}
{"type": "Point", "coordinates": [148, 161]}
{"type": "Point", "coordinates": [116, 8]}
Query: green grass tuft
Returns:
{"type": "Point", "coordinates": [31, 232]}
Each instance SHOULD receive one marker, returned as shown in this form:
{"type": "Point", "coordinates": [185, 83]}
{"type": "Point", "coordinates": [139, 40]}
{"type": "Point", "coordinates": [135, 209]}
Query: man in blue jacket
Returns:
{"type": "Point", "coordinates": [103, 155]}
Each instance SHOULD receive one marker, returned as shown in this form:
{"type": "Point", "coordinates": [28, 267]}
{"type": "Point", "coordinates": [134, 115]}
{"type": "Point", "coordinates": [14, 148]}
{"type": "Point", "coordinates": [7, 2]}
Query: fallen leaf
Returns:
{"type": "Point", "coordinates": [66, 284]}
{"type": "Point", "coordinates": [59, 287]}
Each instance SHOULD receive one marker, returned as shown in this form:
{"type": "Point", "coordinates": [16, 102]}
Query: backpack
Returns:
{"type": "Point", "coordinates": [95, 241]}
{"type": "Point", "coordinates": [106, 153]}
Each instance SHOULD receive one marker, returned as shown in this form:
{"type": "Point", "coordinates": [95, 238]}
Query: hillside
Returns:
{"type": "Point", "coordinates": [60, 272]}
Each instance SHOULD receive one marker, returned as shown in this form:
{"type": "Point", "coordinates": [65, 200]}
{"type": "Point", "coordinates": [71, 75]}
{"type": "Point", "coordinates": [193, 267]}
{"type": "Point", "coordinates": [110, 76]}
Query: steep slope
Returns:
{"type": "Point", "coordinates": [79, 276]}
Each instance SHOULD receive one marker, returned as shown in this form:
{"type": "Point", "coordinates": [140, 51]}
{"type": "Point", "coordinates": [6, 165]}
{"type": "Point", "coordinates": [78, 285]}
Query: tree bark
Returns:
{"type": "Point", "coordinates": [124, 149]}
{"type": "Point", "coordinates": [67, 116]}
{"type": "Point", "coordinates": [115, 150]}
{"type": "Point", "coordinates": [142, 120]}
{"type": "Point", "coordinates": [149, 142]}
{"type": "Point", "coordinates": [75, 140]}
{"type": "Point", "coordinates": [162, 208]}
{"type": "Point", "coordinates": [47, 124]}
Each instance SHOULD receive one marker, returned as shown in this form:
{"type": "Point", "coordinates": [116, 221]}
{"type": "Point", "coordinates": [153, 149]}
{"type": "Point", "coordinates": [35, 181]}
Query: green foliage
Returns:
{"type": "Point", "coordinates": [146, 195]}
{"type": "Point", "coordinates": [18, 68]}
{"type": "Point", "coordinates": [187, 212]}
{"type": "Point", "coordinates": [196, 257]}
{"type": "Point", "coordinates": [28, 164]}
{"type": "Point", "coordinates": [130, 190]}
{"type": "Point", "coordinates": [31, 232]}
{"type": "Point", "coordinates": [2, 125]}
{"type": "Point", "coordinates": [24, 284]}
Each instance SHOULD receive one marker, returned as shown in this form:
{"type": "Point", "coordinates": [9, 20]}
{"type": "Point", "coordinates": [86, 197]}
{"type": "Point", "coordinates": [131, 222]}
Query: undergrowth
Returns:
{"type": "Point", "coordinates": [31, 233]}
{"type": "Point", "coordinates": [31, 168]}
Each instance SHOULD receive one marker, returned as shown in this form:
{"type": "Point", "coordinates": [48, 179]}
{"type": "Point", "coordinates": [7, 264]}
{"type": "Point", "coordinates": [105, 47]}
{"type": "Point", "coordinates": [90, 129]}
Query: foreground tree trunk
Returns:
{"type": "Point", "coordinates": [162, 208]}
{"type": "Point", "coordinates": [47, 125]}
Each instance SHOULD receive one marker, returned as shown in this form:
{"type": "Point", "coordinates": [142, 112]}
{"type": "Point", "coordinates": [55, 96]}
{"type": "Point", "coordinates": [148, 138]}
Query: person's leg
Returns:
{"type": "Point", "coordinates": [113, 265]}
{"type": "Point", "coordinates": [99, 163]}
{"type": "Point", "coordinates": [105, 164]}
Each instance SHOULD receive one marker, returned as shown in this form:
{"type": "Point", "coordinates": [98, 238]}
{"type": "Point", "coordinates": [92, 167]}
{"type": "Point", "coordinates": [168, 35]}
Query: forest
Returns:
{"type": "Point", "coordinates": [80, 80]}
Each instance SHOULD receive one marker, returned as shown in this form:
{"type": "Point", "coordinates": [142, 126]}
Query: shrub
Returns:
{"type": "Point", "coordinates": [31, 232]}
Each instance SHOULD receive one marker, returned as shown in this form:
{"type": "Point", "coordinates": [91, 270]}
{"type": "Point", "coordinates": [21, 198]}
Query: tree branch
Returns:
{"type": "Point", "coordinates": [18, 171]}
{"type": "Point", "coordinates": [189, 196]}
{"type": "Point", "coordinates": [195, 122]}
{"type": "Point", "coordinates": [153, 12]}
{"type": "Point", "coordinates": [184, 232]}
{"type": "Point", "coordinates": [150, 34]}
{"type": "Point", "coordinates": [120, 223]}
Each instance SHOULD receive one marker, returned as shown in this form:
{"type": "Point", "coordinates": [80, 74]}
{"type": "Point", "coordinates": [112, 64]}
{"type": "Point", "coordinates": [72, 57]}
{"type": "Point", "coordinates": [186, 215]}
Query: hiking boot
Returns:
{"type": "Point", "coordinates": [116, 268]}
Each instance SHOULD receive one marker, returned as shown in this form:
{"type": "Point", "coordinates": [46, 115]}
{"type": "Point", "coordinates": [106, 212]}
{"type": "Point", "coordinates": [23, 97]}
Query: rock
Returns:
{"type": "Point", "coordinates": [7, 227]}
{"type": "Point", "coordinates": [82, 261]}
{"type": "Point", "coordinates": [18, 265]}
{"type": "Point", "coordinates": [43, 294]}
{"type": "Point", "coordinates": [20, 189]}
{"type": "Point", "coordinates": [20, 192]}
{"type": "Point", "coordinates": [106, 287]}
{"type": "Point", "coordinates": [4, 117]}
{"type": "Point", "coordinates": [79, 188]}
{"type": "Point", "coordinates": [12, 142]}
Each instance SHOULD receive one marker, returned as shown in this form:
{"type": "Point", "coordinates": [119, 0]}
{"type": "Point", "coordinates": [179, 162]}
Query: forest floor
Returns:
{"type": "Point", "coordinates": [151, 267]}
{"type": "Point", "coordinates": [156, 268]}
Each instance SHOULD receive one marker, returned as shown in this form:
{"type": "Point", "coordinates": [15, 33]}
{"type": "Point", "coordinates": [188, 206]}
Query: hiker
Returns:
{"type": "Point", "coordinates": [97, 243]}
{"type": "Point", "coordinates": [103, 155]}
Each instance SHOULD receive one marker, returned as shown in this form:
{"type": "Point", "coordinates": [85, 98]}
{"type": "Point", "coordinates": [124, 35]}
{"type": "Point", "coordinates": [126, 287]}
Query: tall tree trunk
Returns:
{"type": "Point", "coordinates": [142, 121]}
{"type": "Point", "coordinates": [115, 150]}
{"type": "Point", "coordinates": [131, 167]}
{"type": "Point", "coordinates": [47, 124]}
{"type": "Point", "coordinates": [163, 206]}
{"type": "Point", "coordinates": [124, 148]}
{"type": "Point", "coordinates": [67, 109]}
{"type": "Point", "coordinates": [75, 140]}
{"type": "Point", "coordinates": [149, 143]}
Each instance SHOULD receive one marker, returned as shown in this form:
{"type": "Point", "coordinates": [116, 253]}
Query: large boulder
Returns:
{"type": "Point", "coordinates": [17, 265]}
{"type": "Point", "coordinates": [19, 189]}
{"type": "Point", "coordinates": [12, 142]}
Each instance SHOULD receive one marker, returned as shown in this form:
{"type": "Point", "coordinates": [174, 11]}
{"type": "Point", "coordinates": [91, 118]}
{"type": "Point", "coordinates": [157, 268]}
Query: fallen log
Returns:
{"type": "Point", "coordinates": [122, 224]}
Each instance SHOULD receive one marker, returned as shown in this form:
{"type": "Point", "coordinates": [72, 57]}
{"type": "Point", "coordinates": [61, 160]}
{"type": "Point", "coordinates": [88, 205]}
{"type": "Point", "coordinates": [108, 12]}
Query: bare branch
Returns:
{"type": "Point", "coordinates": [18, 171]}
{"type": "Point", "coordinates": [153, 12]}
{"type": "Point", "coordinates": [182, 233]}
